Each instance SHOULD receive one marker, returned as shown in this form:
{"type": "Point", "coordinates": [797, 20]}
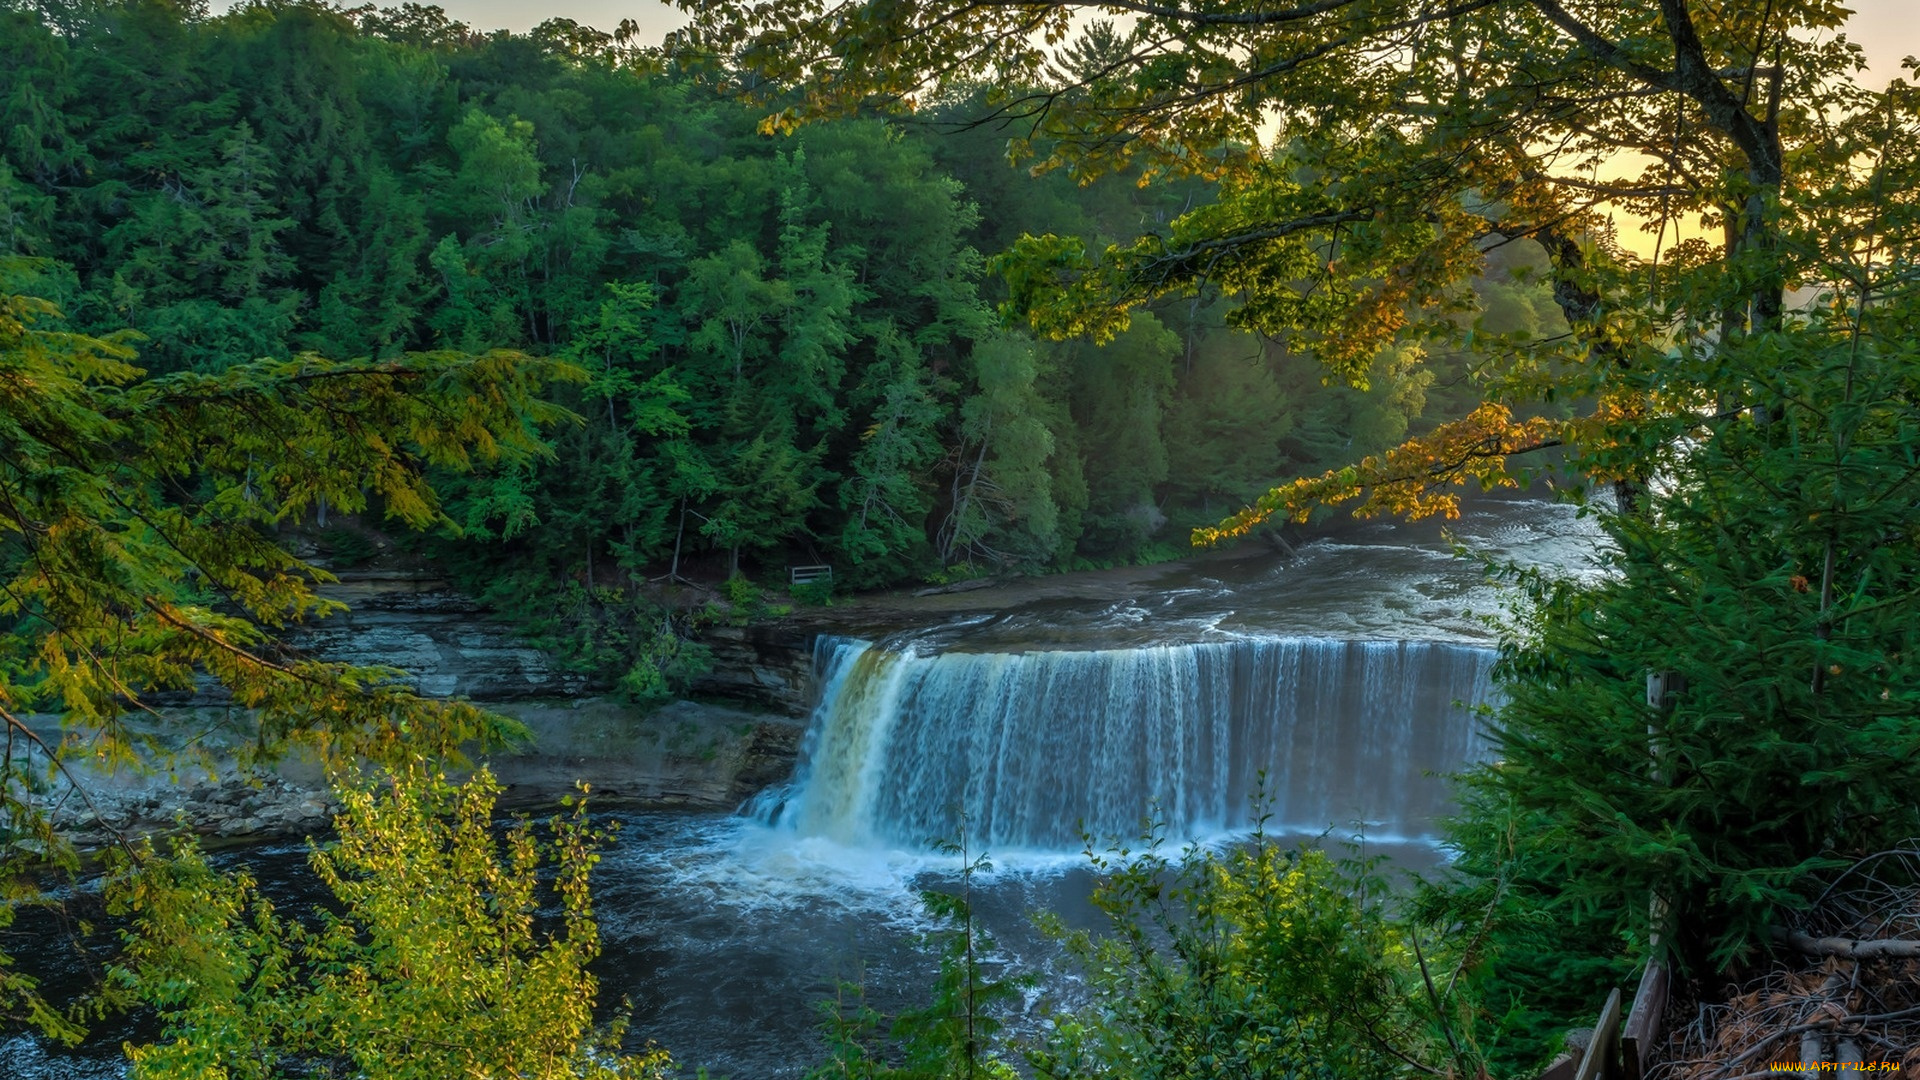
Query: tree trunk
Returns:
{"type": "Point", "coordinates": [673, 568]}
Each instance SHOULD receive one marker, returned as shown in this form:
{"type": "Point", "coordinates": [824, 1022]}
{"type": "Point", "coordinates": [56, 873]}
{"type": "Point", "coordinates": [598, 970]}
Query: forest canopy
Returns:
{"type": "Point", "coordinates": [791, 342]}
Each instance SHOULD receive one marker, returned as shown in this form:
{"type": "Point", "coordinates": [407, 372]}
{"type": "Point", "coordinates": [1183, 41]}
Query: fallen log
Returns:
{"type": "Point", "coordinates": [1849, 948]}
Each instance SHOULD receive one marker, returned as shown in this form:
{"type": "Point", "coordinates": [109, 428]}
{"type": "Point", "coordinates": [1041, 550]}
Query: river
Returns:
{"type": "Point", "coordinates": [1328, 692]}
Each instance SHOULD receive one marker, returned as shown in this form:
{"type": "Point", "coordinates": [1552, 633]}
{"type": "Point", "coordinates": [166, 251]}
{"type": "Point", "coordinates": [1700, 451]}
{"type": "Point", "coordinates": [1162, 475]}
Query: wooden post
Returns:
{"type": "Point", "coordinates": [1602, 1058]}
{"type": "Point", "coordinates": [1645, 1022]}
{"type": "Point", "coordinates": [1561, 1069]}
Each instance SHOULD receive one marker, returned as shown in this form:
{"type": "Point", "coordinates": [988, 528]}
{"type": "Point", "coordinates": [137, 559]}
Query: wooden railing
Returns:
{"type": "Point", "coordinates": [1614, 1054]}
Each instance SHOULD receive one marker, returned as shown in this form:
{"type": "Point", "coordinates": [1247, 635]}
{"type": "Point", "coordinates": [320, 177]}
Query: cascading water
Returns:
{"type": "Point", "coordinates": [1038, 749]}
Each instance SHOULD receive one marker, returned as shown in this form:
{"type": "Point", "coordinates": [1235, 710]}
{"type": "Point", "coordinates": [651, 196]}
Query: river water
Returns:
{"type": "Point", "coordinates": [1327, 693]}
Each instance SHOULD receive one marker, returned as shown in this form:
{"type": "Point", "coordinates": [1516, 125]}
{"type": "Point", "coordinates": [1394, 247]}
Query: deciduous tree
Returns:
{"type": "Point", "coordinates": [1411, 138]}
{"type": "Point", "coordinates": [434, 963]}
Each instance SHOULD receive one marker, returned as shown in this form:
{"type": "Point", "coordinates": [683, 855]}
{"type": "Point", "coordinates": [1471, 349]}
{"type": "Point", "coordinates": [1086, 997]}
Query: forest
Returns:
{"type": "Point", "coordinates": [939, 290]}
{"type": "Point", "coordinates": [789, 345]}
{"type": "Point", "coordinates": [292, 179]}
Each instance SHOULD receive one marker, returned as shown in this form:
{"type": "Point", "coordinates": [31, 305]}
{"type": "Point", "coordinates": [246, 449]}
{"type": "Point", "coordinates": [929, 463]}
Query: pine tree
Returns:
{"type": "Point", "coordinates": [886, 492]}
{"type": "Point", "coordinates": [137, 550]}
{"type": "Point", "coordinates": [1002, 506]}
{"type": "Point", "coordinates": [1224, 430]}
{"type": "Point", "coordinates": [1120, 391]}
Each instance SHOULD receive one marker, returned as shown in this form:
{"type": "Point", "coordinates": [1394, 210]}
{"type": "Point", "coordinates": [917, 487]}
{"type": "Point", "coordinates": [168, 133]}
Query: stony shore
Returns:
{"type": "Point", "coordinates": [743, 735]}
{"type": "Point", "coordinates": [701, 755]}
{"type": "Point", "coordinates": [686, 754]}
{"type": "Point", "coordinates": [263, 806]}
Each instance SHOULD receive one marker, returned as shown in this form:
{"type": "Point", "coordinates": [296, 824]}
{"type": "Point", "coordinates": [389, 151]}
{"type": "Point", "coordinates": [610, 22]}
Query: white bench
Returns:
{"type": "Point", "coordinates": [808, 575]}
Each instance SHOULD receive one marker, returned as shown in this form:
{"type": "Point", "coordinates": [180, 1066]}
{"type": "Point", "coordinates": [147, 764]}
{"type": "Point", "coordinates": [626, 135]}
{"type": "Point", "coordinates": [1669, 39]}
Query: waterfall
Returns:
{"type": "Point", "coordinates": [1039, 748]}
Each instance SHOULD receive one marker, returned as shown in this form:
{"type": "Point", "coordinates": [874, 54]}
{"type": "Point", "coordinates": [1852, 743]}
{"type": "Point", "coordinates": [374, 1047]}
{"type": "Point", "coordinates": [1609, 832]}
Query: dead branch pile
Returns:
{"type": "Point", "coordinates": [1846, 991]}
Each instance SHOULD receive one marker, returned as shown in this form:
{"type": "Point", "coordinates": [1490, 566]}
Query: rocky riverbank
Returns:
{"type": "Point", "coordinates": [235, 807]}
{"type": "Point", "coordinates": [687, 754]}
{"type": "Point", "coordinates": [691, 754]}
{"type": "Point", "coordinates": [697, 755]}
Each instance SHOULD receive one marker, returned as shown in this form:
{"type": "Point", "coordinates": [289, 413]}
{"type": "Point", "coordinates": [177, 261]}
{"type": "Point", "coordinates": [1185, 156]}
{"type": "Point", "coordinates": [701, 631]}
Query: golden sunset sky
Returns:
{"type": "Point", "coordinates": [1887, 29]}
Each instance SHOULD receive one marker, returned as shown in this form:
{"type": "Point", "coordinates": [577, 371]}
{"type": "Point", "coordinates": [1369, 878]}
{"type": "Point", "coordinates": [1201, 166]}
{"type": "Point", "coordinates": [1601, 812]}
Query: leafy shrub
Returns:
{"type": "Point", "coordinates": [813, 593]}
{"type": "Point", "coordinates": [663, 667]}
{"type": "Point", "coordinates": [1252, 962]}
{"type": "Point", "coordinates": [741, 592]}
{"type": "Point", "coordinates": [427, 965]}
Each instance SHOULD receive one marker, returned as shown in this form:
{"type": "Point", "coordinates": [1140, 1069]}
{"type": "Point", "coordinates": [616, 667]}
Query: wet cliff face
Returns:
{"type": "Point", "coordinates": [688, 754]}
{"type": "Point", "coordinates": [685, 754]}
{"type": "Point", "coordinates": [451, 647]}
{"type": "Point", "coordinates": [447, 643]}
{"type": "Point", "coordinates": [767, 666]}
{"type": "Point", "coordinates": [692, 754]}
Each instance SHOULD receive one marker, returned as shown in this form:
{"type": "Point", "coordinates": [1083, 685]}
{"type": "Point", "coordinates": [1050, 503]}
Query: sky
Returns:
{"type": "Point", "coordinates": [1888, 29]}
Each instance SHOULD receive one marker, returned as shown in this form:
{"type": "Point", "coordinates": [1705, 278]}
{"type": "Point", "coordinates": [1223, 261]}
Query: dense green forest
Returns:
{"type": "Point", "coordinates": [789, 343]}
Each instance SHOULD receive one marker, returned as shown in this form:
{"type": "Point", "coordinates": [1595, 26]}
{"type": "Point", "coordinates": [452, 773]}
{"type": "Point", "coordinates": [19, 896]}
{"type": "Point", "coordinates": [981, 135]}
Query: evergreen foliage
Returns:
{"type": "Point", "coordinates": [793, 352]}
{"type": "Point", "coordinates": [1775, 574]}
{"type": "Point", "coordinates": [138, 554]}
